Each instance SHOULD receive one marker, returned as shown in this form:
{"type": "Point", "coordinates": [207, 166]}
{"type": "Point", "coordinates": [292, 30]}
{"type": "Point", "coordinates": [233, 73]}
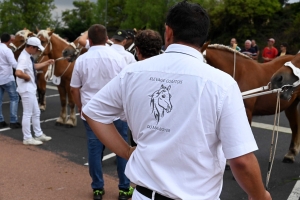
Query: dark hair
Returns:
{"type": "Point", "coordinates": [189, 22]}
{"type": "Point", "coordinates": [149, 43]}
{"type": "Point", "coordinates": [5, 37]}
{"type": "Point", "coordinates": [97, 34]}
{"type": "Point", "coordinates": [284, 44]}
{"type": "Point", "coordinates": [28, 45]}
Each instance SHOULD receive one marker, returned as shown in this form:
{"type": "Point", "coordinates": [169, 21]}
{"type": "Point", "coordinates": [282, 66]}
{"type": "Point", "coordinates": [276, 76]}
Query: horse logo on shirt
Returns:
{"type": "Point", "coordinates": [161, 102]}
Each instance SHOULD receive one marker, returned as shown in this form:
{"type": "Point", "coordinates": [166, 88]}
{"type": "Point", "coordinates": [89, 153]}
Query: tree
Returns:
{"type": "Point", "coordinates": [78, 19]}
{"type": "Point", "coordinates": [18, 14]}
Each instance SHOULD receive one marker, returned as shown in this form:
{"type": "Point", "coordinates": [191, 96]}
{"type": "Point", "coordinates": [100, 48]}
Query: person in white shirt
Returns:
{"type": "Point", "coordinates": [7, 82]}
{"type": "Point", "coordinates": [186, 117]}
{"type": "Point", "coordinates": [119, 40]}
{"type": "Point", "coordinates": [92, 71]}
{"type": "Point", "coordinates": [26, 80]}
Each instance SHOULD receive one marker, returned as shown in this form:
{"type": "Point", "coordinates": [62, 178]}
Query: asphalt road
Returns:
{"type": "Point", "coordinates": [70, 143]}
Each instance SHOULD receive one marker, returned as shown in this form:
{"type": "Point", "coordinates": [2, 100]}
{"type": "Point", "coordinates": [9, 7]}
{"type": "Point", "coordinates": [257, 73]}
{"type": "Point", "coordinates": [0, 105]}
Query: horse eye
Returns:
{"type": "Point", "coordinates": [163, 96]}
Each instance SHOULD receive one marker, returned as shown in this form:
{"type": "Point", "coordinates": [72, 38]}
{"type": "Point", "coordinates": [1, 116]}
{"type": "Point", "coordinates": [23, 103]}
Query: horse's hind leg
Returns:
{"type": "Point", "coordinates": [72, 120]}
{"type": "Point", "coordinates": [63, 113]}
{"type": "Point", "coordinates": [293, 115]}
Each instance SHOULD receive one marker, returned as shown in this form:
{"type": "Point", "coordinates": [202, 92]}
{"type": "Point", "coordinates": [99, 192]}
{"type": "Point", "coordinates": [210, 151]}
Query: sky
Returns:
{"type": "Point", "coordinates": [68, 4]}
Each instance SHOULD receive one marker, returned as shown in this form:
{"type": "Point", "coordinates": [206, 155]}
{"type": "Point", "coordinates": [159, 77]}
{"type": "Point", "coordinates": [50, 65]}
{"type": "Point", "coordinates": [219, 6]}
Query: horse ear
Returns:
{"type": "Point", "coordinates": [169, 88]}
{"type": "Point", "coordinates": [37, 29]}
{"type": "Point", "coordinates": [30, 34]}
{"type": "Point", "coordinates": [51, 32]}
{"type": "Point", "coordinates": [24, 28]}
{"type": "Point", "coordinates": [205, 45]}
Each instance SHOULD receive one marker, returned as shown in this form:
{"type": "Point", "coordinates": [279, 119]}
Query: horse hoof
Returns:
{"type": "Point", "coordinates": [69, 126]}
{"type": "Point", "coordinates": [58, 124]}
{"type": "Point", "coordinates": [288, 160]}
{"type": "Point", "coordinates": [227, 167]}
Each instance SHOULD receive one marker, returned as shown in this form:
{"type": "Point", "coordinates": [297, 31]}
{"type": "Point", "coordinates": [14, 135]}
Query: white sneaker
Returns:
{"type": "Point", "coordinates": [32, 141]}
{"type": "Point", "coordinates": [43, 138]}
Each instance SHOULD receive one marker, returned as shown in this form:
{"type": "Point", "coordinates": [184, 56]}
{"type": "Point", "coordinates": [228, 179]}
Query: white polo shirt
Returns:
{"type": "Point", "coordinates": [94, 69]}
{"type": "Point", "coordinates": [127, 55]}
{"type": "Point", "coordinates": [7, 62]}
{"type": "Point", "coordinates": [186, 118]}
{"type": "Point", "coordinates": [25, 65]}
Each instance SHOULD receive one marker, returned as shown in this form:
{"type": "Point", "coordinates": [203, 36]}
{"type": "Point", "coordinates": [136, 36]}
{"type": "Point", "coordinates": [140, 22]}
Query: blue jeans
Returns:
{"type": "Point", "coordinates": [95, 151]}
{"type": "Point", "coordinates": [11, 89]}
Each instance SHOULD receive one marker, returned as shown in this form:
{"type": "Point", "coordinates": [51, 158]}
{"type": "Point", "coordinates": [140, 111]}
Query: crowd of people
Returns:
{"type": "Point", "coordinates": [178, 155]}
{"type": "Point", "coordinates": [268, 53]}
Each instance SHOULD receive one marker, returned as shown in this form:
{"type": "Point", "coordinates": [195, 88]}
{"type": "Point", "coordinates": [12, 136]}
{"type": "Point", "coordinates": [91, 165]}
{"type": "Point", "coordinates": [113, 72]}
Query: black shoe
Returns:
{"type": "Point", "coordinates": [3, 124]}
{"type": "Point", "coordinates": [126, 194]}
{"type": "Point", "coordinates": [98, 194]}
{"type": "Point", "coordinates": [15, 125]}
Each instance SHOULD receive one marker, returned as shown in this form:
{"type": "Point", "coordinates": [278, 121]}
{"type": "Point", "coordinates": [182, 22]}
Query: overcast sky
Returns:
{"type": "Point", "coordinates": [68, 4]}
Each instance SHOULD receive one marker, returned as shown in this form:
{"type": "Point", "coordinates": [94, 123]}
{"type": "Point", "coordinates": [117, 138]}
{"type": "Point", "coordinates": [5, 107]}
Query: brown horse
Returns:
{"type": "Point", "coordinates": [250, 74]}
{"type": "Point", "coordinates": [54, 45]}
{"type": "Point", "coordinates": [19, 42]}
{"type": "Point", "coordinates": [73, 50]}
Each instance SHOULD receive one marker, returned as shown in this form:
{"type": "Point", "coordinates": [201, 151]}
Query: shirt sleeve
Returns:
{"type": "Point", "coordinates": [22, 64]}
{"type": "Point", "coordinates": [106, 105]}
{"type": "Point", "coordinates": [11, 59]}
{"type": "Point", "coordinates": [234, 130]}
{"type": "Point", "coordinates": [75, 80]}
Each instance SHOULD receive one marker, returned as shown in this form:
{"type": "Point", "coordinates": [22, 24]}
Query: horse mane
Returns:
{"type": "Point", "coordinates": [45, 34]}
{"type": "Point", "coordinates": [226, 48]}
{"type": "Point", "coordinates": [23, 33]}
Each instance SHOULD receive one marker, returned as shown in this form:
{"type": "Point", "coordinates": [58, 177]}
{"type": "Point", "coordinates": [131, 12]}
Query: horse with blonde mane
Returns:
{"type": "Point", "coordinates": [249, 74]}
{"type": "Point", "coordinates": [54, 45]}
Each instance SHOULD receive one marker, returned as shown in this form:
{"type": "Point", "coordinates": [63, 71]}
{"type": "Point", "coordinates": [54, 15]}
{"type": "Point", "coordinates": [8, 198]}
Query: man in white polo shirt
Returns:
{"type": "Point", "coordinates": [26, 80]}
{"type": "Point", "coordinates": [119, 40]}
{"type": "Point", "coordinates": [186, 117]}
{"type": "Point", "coordinates": [92, 71]}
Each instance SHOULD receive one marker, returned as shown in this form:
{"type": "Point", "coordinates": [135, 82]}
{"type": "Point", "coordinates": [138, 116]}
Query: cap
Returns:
{"type": "Point", "coordinates": [34, 41]}
{"type": "Point", "coordinates": [120, 35]}
{"type": "Point", "coordinates": [272, 40]}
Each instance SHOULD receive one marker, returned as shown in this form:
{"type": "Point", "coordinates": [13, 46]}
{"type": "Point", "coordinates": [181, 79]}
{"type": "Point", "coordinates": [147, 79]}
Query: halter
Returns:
{"type": "Point", "coordinates": [296, 72]}
{"type": "Point", "coordinates": [17, 48]}
{"type": "Point", "coordinates": [49, 42]}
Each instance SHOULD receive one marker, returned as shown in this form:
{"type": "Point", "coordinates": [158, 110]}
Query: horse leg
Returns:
{"type": "Point", "coordinates": [293, 115]}
{"type": "Point", "coordinates": [63, 113]}
{"type": "Point", "coordinates": [72, 120]}
{"type": "Point", "coordinates": [41, 85]}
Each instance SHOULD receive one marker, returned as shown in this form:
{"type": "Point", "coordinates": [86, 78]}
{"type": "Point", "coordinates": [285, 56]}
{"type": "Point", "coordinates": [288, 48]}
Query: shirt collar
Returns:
{"type": "Point", "coordinates": [26, 53]}
{"type": "Point", "coordinates": [97, 47]}
{"type": "Point", "coordinates": [184, 49]}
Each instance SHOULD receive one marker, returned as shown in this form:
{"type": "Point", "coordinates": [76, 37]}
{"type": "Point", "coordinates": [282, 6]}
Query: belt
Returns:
{"type": "Point", "coordinates": [148, 193]}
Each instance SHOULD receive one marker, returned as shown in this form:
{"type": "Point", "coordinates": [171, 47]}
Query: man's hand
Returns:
{"type": "Point", "coordinates": [27, 78]}
{"type": "Point", "coordinates": [130, 151]}
{"type": "Point", "coordinates": [267, 196]}
{"type": "Point", "coordinates": [50, 61]}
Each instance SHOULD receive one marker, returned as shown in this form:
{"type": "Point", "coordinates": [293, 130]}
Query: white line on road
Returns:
{"type": "Point", "coordinates": [270, 127]}
{"type": "Point", "coordinates": [295, 195]}
{"type": "Point", "coordinates": [51, 87]}
{"type": "Point", "coordinates": [108, 156]}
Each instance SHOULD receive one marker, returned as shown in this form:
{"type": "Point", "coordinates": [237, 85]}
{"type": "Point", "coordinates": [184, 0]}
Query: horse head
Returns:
{"type": "Point", "coordinates": [20, 40]}
{"type": "Point", "coordinates": [45, 37]}
{"type": "Point", "coordinates": [73, 50]}
{"type": "Point", "coordinates": [287, 77]}
{"type": "Point", "coordinates": [161, 102]}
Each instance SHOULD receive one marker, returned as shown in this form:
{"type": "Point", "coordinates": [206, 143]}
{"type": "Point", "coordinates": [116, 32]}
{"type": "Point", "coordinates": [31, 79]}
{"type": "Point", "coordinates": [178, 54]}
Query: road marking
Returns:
{"type": "Point", "coordinates": [270, 127]}
{"type": "Point", "coordinates": [295, 194]}
{"type": "Point", "coordinates": [49, 96]}
{"type": "Point", "coordinates": [108, 156]}
{"type": "Point", "coordinates": [51, 87]}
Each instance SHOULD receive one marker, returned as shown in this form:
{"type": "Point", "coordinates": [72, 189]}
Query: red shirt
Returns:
{"type": "Point", "coordinates": [269, 53]}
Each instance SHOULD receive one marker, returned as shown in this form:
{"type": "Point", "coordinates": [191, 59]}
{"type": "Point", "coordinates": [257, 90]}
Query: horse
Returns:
{"type": "Point", "coordinates": [54, 45]}
{"type": "Point", "coordinates": [18, 44]}
{"type": "Point", "coordinates": [73, 50]}
{"type": "Point", "coordinates": [161, 102]}
{"type": "Point", "coordinates": [249, 74]}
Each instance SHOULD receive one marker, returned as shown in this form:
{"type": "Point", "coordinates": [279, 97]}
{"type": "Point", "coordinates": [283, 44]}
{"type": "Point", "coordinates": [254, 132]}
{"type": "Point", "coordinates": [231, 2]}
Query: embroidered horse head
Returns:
{"type": "Point", "coordinates": [161, 102]}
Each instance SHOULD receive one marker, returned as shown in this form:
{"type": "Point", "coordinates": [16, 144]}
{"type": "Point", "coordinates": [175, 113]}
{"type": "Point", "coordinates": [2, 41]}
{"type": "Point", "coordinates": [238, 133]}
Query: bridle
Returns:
{"type": "Point", "coordinates": [296, 72]}
{"type": "Point", "coordinates": [17, 48]}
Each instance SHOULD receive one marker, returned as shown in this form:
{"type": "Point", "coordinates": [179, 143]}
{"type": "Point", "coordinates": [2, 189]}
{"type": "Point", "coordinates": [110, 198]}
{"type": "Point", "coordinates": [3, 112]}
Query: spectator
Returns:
{"type": "Point", "coordinates": [26, 80]}
{"type": "Point", "coordinates": [119, 40]}
{"type": "Point", "coordinates": [283, 50]}
{"type": "Point", "coordinates": [92, 71]}
{"type": "Point", "coordinates": [255, 47]}
{"type": "Point", "coordinates": [7, 82]}
{"type": "Point", "coordinates": [269, 52]}
{"type": "Point", "coordinates": [179, 154]}
{"type": "Point", "coordinates": [248, 50]}
{"type": "Point", "coordinates": [233, 43]}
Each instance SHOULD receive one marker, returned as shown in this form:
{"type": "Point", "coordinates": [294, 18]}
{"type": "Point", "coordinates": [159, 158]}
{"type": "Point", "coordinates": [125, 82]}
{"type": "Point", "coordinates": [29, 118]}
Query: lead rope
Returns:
{"type": "Point", "coordinates": [272, 152]}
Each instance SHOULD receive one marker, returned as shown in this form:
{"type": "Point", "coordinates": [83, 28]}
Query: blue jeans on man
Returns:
{"type": "Point", "coordinates": [95, 154]}
{"type": "Point", "coordinates": [10, 88]}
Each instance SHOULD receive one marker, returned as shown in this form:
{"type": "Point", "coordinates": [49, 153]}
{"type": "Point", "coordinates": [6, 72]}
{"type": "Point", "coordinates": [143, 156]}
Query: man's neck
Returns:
{"type": "Point", "coordinates": [189, 45]}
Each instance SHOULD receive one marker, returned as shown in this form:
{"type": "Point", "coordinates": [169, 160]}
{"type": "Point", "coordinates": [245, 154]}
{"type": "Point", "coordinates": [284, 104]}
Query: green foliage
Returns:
{"type": "Point", "coordinates": [18, 14]}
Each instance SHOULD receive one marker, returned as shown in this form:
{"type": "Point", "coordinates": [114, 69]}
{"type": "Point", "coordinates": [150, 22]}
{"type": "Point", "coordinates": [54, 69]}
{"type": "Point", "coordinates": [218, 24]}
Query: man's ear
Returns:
{"type": "Point", "coordinates": [168, 36]}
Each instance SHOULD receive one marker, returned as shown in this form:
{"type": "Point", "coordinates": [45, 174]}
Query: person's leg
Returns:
{"type": "Point", "coordinates": [124, 182]}
{"type": "Point", "coordinates": [27, 113]}
{"type": "Point", "coordinates": [14, 101]}
{"type": "Point", "coordinates": [36, 124]}
{"type": "Point", "coordinates": [95, 148]}
{"type": "Point", "coordinates": [1, 100]}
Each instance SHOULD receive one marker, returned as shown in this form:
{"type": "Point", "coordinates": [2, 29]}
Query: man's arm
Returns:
{"type": "Point", "coordinates": [22, 75]}
{"type": "Point", "coordinates": [247, 173]}
{"type": "Point", "coordinates": [11, 59]}
{"type": "Point", "coordinates": [109, 136]}
{"type": "Point", "coordinates": [76, 96]}
{"type": "Point", "coordinates": [38, 66]}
